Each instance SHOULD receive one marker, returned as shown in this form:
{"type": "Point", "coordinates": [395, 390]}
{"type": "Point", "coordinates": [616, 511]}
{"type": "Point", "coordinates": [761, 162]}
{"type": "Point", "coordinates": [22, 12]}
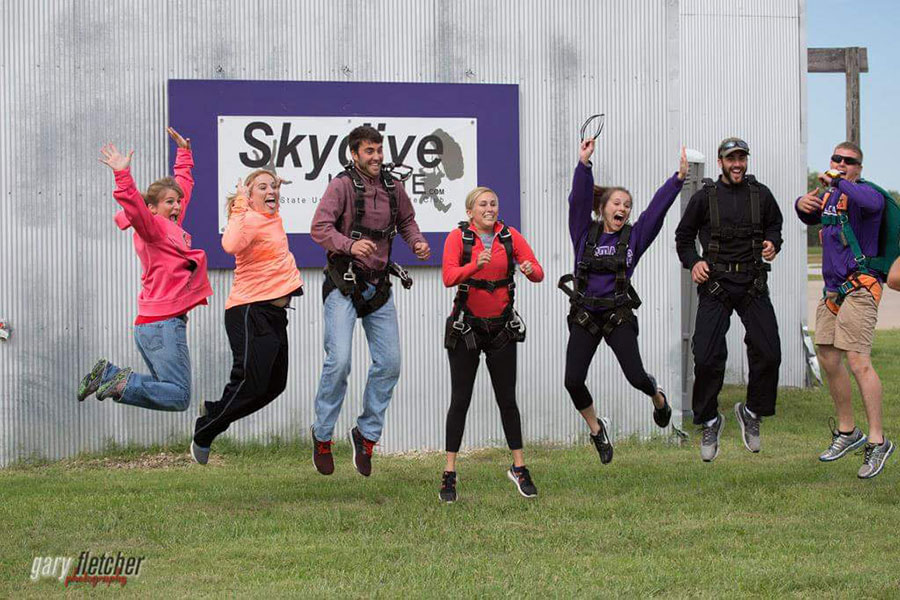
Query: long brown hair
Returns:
{"type": "Point", "coordinates": [602, 196]}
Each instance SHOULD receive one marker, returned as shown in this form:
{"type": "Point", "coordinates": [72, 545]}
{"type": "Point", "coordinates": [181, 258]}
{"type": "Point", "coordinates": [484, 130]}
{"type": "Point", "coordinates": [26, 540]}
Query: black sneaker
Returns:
{"type": "Point", "coordinates": [522, 478]}
{"type": "Point", "coordinates": [362, 452]}
{"type": "Point", "coordinates": [602, 442]}
{"type": "Point", "coordinates": [448, 487]}
{"type": "Point", "coordinates": [662, 416]}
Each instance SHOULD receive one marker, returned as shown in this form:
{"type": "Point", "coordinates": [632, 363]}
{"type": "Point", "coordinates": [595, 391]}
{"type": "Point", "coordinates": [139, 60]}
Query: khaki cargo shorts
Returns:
{"type": "Point", "coordinates": [853, 328]}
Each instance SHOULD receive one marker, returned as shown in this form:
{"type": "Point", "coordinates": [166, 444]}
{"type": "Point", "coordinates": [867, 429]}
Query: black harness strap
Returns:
{"type": "Point", "coordinates": [351, 279]}
{"type": "Point", "coordinates": [755, 232]}
{"type": "Point", "coordinates": [460, 323]}
{"type": "Point", "coordinates": [625, 299]}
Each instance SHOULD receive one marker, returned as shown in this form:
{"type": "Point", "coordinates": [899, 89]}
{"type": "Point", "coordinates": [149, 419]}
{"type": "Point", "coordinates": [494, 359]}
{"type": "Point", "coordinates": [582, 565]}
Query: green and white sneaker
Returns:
{"type": "Point", "coordinates": [841, 443]}
{"type": "Point", "coordinates": [115, 387]}
{"type": "Point", "coordinates": [875, 456]}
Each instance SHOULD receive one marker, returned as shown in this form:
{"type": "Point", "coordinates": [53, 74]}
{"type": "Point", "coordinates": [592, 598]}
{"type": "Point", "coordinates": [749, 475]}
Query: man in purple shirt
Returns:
{"type": "Point", "coordinates": [356, 220]}
{"type": "Point", "coordinates": [848, 312]}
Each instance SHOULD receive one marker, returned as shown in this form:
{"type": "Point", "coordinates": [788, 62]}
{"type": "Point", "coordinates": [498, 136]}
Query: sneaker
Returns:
{"type": "Point", "coordinates": [362, 452]}
{"type": "Point", "coordinates": [749, 427]}
{"type": "Point", "coordinates": [115, 387]}
{"type": "Point", "coordinates": [662, 416]}
{"type": "Point", "coordinates": [709, 442]}
{"type": "Point", "coordinates": [841, 444]}
{"type": "Point", "coordinates": [522, 478]}
{"type": "Point", "coordinates": [602, 442]}
{"type": "Point", "coordinates": [448, 487]}
{"type": "Point", "coordinates": [875, 456]}
{"type": "Point", "coordinates": [199, 453]}
{"type": "Point", "coordinates": [90, 383]}
{"type": "Point", "coordinates": [323, 460]}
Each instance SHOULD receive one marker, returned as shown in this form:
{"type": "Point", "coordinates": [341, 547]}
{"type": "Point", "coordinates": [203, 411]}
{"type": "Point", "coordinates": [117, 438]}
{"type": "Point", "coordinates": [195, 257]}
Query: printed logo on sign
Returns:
{"type": "Point", "coordinates": [307, 152]}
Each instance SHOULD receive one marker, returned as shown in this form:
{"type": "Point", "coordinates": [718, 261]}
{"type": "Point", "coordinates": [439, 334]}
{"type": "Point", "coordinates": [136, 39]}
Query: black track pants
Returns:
{"type": "Point", "coordinates": [258, 337]}
{"type": "Point", "coordinates": [580, 352]}
{"type": "Point", "coordinates": [711, 352]}
{"type": "Point", "coordinates": [501, 365]}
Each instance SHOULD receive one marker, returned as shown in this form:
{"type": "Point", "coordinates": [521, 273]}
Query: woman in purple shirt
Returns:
{"type": "Point", "coordinates": [606, 252]}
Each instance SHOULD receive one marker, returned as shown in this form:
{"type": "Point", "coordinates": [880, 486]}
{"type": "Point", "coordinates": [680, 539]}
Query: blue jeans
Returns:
{"type": "Point", "coordinates": [168, 386]}
{"type": "Point", "coordinates": [383, 337]}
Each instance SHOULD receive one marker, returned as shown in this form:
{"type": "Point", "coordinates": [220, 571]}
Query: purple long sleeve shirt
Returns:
{"type": "Point", "coordinates": [333, 220]}
{"type": "Point", "coordinates": [644, 231]}
{"type": "Point", "coordinates": [865, 206]}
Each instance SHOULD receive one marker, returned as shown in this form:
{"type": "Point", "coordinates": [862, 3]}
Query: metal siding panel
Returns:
{"type": "Point", "coordinates": [65, 93]}
{"type": "Point", "coordinates": [723, 94]}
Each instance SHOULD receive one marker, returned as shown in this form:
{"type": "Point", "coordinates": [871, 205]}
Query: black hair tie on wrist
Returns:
{"type": "Point", "coordinates": [600, 118]}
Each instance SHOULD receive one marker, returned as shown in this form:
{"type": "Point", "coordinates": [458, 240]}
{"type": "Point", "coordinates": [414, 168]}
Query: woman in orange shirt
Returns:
{"type": "Point", "coordinates": [265, 278]}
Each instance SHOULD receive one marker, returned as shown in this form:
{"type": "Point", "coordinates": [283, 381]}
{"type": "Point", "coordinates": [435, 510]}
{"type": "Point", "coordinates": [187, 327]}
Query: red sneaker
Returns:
{"type": "Point", "coordinates": [362, 452]}
{"type": "Point", "coordinates": [322, 457]}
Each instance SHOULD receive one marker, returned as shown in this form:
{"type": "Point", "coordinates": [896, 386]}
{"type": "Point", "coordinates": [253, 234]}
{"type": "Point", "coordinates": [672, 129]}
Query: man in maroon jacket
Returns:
{"type": "Point", "coordinates": [356, 220]}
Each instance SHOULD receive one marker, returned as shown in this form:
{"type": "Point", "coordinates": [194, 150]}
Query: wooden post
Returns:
{"type": "Point", "coordinates": [850, 61]}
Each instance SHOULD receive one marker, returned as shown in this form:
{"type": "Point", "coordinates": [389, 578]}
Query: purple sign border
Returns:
{"type": "Point", "coordinates": [194, 105]}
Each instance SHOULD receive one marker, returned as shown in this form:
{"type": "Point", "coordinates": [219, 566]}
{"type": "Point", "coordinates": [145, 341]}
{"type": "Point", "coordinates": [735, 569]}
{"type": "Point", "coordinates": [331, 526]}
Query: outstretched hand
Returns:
{"type": "Point", "coordinates": [586, 150]}
{"type": "Point", "coordinates": [180, 141]}
{"type": "Point", "coordinates": [241, 189]}
{"type": "Point", "coordinates": [809, 202]}
{"type": "Point", "coordinates": [683, 165]}
{"type": "Point", "coordinates": [112, 158]}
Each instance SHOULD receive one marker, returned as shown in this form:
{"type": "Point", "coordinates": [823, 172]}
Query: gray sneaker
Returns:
{"type": "Point", "coordinates": [749, 427]}
{"type": "Point", "coordinates": [709, 442]}
{"type": "Point", "coordinates": [842, 444]}
{"type": "Point", "coordinates": [199, 454]}
{"type": "Point", "coordinates": [875, 457]}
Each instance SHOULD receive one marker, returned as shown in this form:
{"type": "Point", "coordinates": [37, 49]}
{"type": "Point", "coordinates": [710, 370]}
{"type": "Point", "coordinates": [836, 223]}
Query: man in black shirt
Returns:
{"type": "Point", "coordinates": [739, 224]}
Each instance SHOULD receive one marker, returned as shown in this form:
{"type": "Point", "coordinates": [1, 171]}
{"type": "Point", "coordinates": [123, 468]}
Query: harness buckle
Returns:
{"type": "Point", "coordinates": [349, 275]}
{"type": "Point", "coordinates": [582, 317]}
{"type": "Point", "coordinates": [355, 235]}
{"type": "Point", "coordinates": [392, 233]}
{"type": "Point", "coordinates": [463, 287]}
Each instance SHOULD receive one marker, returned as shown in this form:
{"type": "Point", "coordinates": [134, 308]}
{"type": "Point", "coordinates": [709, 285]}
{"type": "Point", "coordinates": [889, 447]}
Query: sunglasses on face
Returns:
{"type": "Point", "coordinates": [847, 160]}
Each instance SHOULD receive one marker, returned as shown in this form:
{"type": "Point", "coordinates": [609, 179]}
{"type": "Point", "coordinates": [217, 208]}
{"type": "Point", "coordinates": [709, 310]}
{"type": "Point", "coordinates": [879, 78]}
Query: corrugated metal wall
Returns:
{"type": "Point", "coordinates": [80, 72]}
{"type": "Point", "coordinates": [742, 75]}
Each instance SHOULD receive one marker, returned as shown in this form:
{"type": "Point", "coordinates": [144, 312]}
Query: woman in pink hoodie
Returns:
{"type": "Point", "coordinates": [173, 281]}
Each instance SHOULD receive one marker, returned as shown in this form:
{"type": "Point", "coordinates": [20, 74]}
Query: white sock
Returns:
{"type": "Point", "coordinates": [711, 422]}
{"type": "Point", "coordinates": [751, 413]}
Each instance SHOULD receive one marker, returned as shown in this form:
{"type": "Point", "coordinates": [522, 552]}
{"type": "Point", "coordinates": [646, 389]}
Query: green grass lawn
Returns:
{"type": "Point", "coordinates": [259, 522]}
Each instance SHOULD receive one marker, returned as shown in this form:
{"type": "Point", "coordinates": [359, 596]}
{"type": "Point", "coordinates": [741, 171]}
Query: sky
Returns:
{"type": "Point", "coordinates": [875, 25]}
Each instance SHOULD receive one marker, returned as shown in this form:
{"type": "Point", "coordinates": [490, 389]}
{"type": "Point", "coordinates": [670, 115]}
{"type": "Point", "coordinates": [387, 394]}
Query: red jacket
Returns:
{"type": "Point", "coordinates": [482, 303]}
{"type": "Point", "coordinates": [173, 275]}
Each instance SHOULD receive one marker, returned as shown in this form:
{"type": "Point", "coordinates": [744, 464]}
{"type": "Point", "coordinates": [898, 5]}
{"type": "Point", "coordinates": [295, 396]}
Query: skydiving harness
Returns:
{"type": "Point", "coordinates": [758, 267]}
{"type": "Point", "coordinates": [616, 310]}
{"type": "Point", "coordinates": [351, 279]}
{"type": "Point", "coordinates": [463, 326]}
{"type": "Point", "coordinates": [863, 277]}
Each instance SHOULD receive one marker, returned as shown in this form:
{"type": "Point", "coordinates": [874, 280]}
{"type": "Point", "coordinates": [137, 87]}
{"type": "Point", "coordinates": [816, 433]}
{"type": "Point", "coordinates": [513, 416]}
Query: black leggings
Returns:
{"type": "Point", "coordinates": [580, 352]}
{"type": "Point", "coordinates": [501, 365]}
{"type": "Point", "coordinates": [258, 337]}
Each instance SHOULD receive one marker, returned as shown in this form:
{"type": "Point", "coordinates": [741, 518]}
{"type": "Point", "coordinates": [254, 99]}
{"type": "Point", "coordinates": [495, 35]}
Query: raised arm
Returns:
{"type": "Point", "coordinates": [867, 199]}
{"type": "Point", "coordinates": [648, 225]}
{"type": "Point", "coordinates": [184, 162]}
{"type": "Point", "coordinates": [581, 197]}
{"type": "Point", "coordinates": [237, 234]}
{"type": "Point", "coordinates": [127, 195]}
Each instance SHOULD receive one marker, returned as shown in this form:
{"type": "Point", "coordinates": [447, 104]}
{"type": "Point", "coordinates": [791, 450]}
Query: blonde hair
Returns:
{"type": "Point", "coordinates": [159, 186]}
{"type": "Point", "coordinates": [248, 181]}
{"type": "Point", "coordinates": [473, 195]}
